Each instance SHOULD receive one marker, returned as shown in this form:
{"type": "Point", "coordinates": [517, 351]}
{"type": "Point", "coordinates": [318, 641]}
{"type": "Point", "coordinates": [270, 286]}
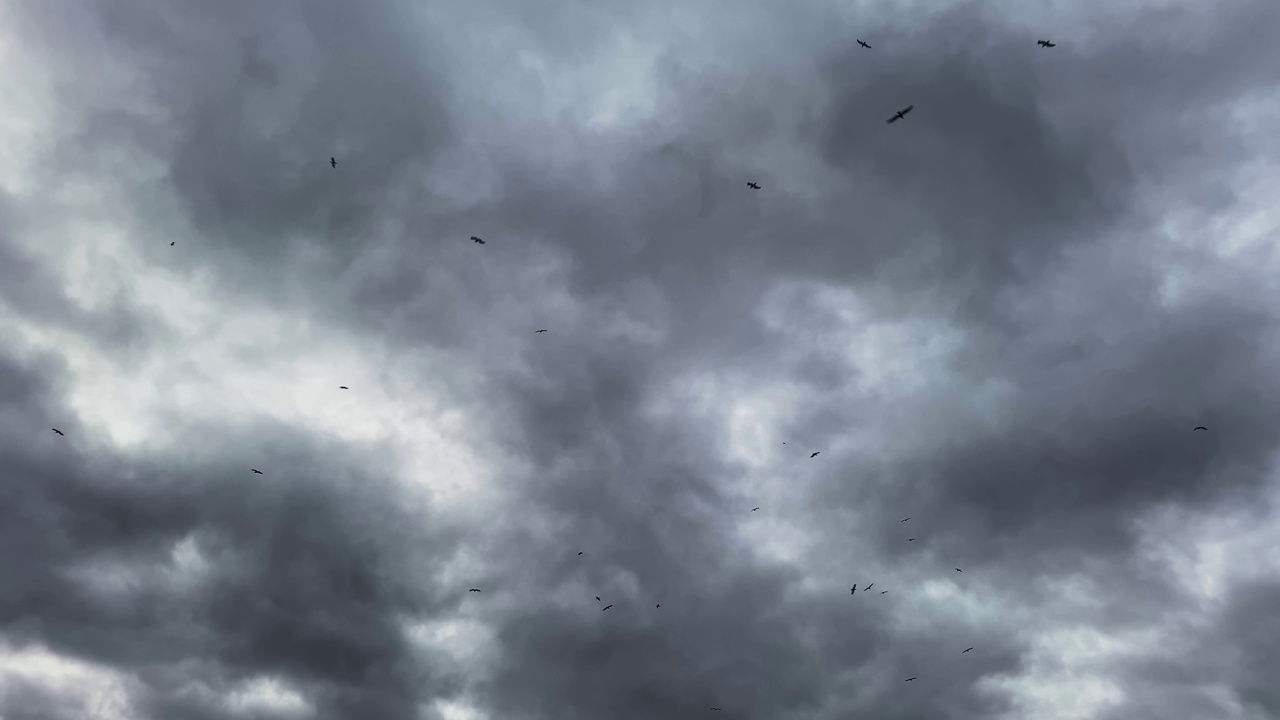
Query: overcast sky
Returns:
{"type": "Point", "coordinates": [1001, 317]}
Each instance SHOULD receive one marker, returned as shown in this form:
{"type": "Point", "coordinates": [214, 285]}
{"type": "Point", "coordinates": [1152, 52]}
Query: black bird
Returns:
{"type": "Point", "coordinates": [1199, 427]}
{"type": "Point", "coordinates": [59, 432]}
{"type": "Point", "coordinates": [579, 553]}
{"type": "Point", "coordinates": [333, 162]}
{"type": "Point", "coordinates": [754, 509]}
{"type": "Point", "coordinates": [853, 589]}
{"type": "Point", "coordinates": [864, 45]}
{"type": "Point", "coordinates": [474, 590]}
{"type": "Point", "coordinates": [535, 332]}
{"type": "Point", "coordinates": [959, 570]}
{"type": "Point", "coordinates": [966, 651]}
{"type": "Point", "coordinates": [753, 185]}
{"type": "Point", "coordinates": [814, 455]}
{"type": "Point", "coordinates": [904, 519]}
{"type": "Point", "coordinates": [343, 387]}
{"type": "Point", "coordinates": [658, 605]}
{"type": "Point", "coordinates": [606, 607]}
{"type": "Point", "coordinates": [901, 114]}
{"type": "Point", "coordinates": [911, 539]}
{"type": "Point", "coordinates": [476, 239]}
{"type": "Point", "coordinates": [882, 592]}
{"type": "Point", "coordinates": [172, 243]}
{"type": "Point", "coordinates": [909, 679]}
{"type": "Point", "coordinates": [597, 597]}
{"type": "Point", "coordinates": [867, 587]}
{"type": "Point", "coordinates": [256, 470]}
{"type": "Point", "coordinates": [1046, 43]}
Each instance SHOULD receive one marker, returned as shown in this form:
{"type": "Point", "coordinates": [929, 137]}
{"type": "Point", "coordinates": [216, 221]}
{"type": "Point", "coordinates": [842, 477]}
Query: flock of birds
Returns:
{"type": "Point", "coordinates": [899, 115]}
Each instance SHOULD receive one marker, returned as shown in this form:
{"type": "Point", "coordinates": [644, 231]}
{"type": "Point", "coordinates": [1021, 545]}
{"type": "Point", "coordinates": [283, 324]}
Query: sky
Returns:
{"type": "Point", "coordinates": [1000, 317]}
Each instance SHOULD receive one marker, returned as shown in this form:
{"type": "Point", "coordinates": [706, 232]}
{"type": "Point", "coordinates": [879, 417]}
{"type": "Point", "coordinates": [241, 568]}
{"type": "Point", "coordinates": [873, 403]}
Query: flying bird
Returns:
{"type": "Point", "coordinates": [597, 597]}
{"type": "Point", "coordinates": [904, 519]}
{"type": "Point", "coordinates": [966, 651]}
{"type": "Point", "coordinates": [1199, 427]}
{"type": "Point", "coordinates": [256, 470]}
{"type": "Point", "coordinates": [911, 539]}
{"type": "Point", "coordinates": [853, 589]}
{"type": "Point", "coordinates": [814, 455]}
{"type": "Point", "coordinates": [658, 605]}
{"type": "Point", "coordinates": [864, 44]}
{"type": "Point", "coordinates": [901, 114]}
{"type": "Point", "coordinates": [476, 239]}
{"type": "Point", "coordinates": [606, 607]}
{"type": "Point", "coordinates": [343, 387]}
{"type": "Point", "coordinates": [172, 243]}
{"type": "Point", "coordinates": [909, 679]}
{"type": "Point", "coordinates": [579, 553]}
{"type": "Point", "coordinates": [59, 432]}
{"type": "Point", "coordinates": [883, 592]}
{"type": "Point", "coordinates": [867, 587]}
{"type": "Point", "coordinates": [959, 570]}
{"type": "Point", "coordinates": [474, 590]}
{"type": "Point", "coordinates": [333, 162]}
{"type": "Point", "coordinates": [754, 509]}
{"type": "Point", "coordinates": [535, 332]}
{"type": "Point", "coordinates": [753, 185]}
{"type": "Point", "coordinates": [1046, 43]}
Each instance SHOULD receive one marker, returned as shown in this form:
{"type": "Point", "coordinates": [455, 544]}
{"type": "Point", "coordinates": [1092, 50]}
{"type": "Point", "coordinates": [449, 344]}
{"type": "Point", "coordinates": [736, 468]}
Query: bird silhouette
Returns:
{"type": "Point", "coordinates": [597, 597]}
{"type": "Point", "coordinates": [535, 332]}
{"type": "Point", "coordinates": [658, 605]}
{"type": "Point", "coordinates": [864, 45]}
{"type": "Point", "coordinates": [966, 651]}
{"type": "Point", "coordinates": [343, 387]}
{"type": "Point", "coordinates": [1199, 427]}
{"type": "Point", "coordinates": [474, 590]}
{"type": "Point", "coordinates": [754, 509]}
{"type": "Point", "coordinates": [867, 587]}
{"type": "Point", "coordinates": [1046, 43]}
{"type": "Point", "coordinates": [959, 570]}
{"type": "Point", "coordinates": [172, 243]}
{"type": "Point", "coordinates": [753, 185]}
{"type": "Point", "coordinates": [59, 432]}
{"type": "Point", "coordinates": [853, 589]}
{"type": "Point", "coordinates": [333, 162]}
{"type": "Point", "coordinates": [901, 114]}
{"type": "Point", "coordinates": [911, 539]}
{"type": "Point", "coordinates": [909, 679]}
{"type": "Point", "coordinates": [904, 519]}
{"type": "Point", "coordinates": [882, 592]}
{"type": "Point", "coordinates": [579, 553]}
{"type": "Point", "coordinates": [256, 470]}
{"type": "Point", "coordinates": [606, 607]}
{"type": "Point", "coordinates": [814, 455]}
{"type": "Point", "coordinates": [476, 240]}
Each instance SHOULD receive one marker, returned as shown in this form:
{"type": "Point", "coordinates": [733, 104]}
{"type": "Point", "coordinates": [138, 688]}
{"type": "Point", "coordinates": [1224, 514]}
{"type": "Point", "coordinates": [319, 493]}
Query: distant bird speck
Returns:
{"type": "Point", "coordinates": [901, 114]}
{"type": "Point", "coordinates": [579, 553]}
{"type": "Point", "coordinates": [853, 589]}
{"type": "Point", "coordinates": [911, 539]}
{"type": "Point", "coordinates": [754, 509]}
{"type": "Point", "coordinates": [535, 332]}
{"type": "Point", "coordinates": [597, 597]}
{"type": "Point", "coordinates": [476, 240]}
{"type": "Point", "coordinates": [1199, 427]}
{"type": "Point", "coordinates": [959, 570]}
{"type": "Point", "coordinates": [474, 590]}
{"type": "Point", "coordinates": [173, 243]}
{"type": "Point", "coordinates": [966, 651]}
{"type": "Point", "coordinates": [867, 587]}
{"type": "Point", "coordinates": [864, 45]}
{"type": "Point", "coordinates": [606, 607]}
{"type": "Point", "coordinates": [909, 679]}
{"type": "Point", "coordinates": [882, 592]}
{"type": "Point", "coordinates": [904, 519]}
{"type": "Point", "coordinates": [333, 162]}
{"type": "Point", "coordinates": [658, 605]}
{"type": "Point", "coordinates": [59, 432]}
{"type": "Point", "coordinates": [343, 387]}
{"type": "Point", "coordinates": [256, 470]}
{"type": "Point", "coordinates": [814, 455]}
{"type": "Point", "coordinates": [1046, 43]}
{"type": "Point", "coordinates": [753, 185]}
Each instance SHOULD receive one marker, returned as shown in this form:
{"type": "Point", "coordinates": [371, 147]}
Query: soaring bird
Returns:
{"type": "Point", "coordinates": [814, 455]}
{"type": "Point", "coordinates": [172, 243]}
{"type": "Point", "coordinates": [474, 590]}
{"type": "Point", "coordinates": [579, 553]}
{"type": "Point", "coordinates": [959, 570]}
{"type": "Point", "coordinates": [867, 587]}
{"type": "Point", "coordinates": [884, 592]}
{"type": "Point", "coordinates": [966, 651]}
{"type": "Point", "coordinates": [606, 607]}
{"type": "Point", "coordinates": [853, 589]}
{"type": "Point", "coordinates": [597, 597]}
{"type": "Point", "coordinates": [476, 239]}
{"type": "Point", "coordinates": [343, 387]}
{"type": "Point", "coordinates": [904, 519]}
{"type": "Point", "coordinates": [1199, 427]}
{"type": "Point", "coordinates": [535, 332]}
{"type": "Point", "coordinates": [59, 432]}
{"type": "Point", "coordinates": [901, 114]}
{"type": "Point", "coordinates": [864, 44]}
{"type": "Point", "coordinates": [911, 539]}
{"type": "Point", "coordinates": [754, 509]}
{"type": "Point", "coordinates": [1046, 43]}
{"type": "Point", "coordinates": [658, 605]}
{"type": "Point", "coordinates": [333, 162]}
{"type": "Point", "coordinates": [753, 185]}
{"type": "Point", "coordinates": [909, 679]}
{"type": "Point", "coordinates": [256, 470]}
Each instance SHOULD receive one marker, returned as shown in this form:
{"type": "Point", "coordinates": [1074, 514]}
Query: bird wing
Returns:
{"type": "Point", "coordinates": [606, 607]}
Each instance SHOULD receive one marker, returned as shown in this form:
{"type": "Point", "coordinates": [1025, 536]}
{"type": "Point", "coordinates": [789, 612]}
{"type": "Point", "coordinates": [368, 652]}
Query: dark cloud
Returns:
{"type": "Point", "coordinates": [1039, 398]}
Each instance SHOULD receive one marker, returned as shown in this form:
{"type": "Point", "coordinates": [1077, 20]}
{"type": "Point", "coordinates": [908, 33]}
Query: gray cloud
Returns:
{"type": "Point", "coordinates": [967, 312]}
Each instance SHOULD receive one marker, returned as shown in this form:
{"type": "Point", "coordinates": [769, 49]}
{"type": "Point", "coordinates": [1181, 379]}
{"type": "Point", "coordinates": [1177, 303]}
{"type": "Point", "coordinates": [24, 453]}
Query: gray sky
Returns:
{"type": "Point", "coordinates": [1000, 317]}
